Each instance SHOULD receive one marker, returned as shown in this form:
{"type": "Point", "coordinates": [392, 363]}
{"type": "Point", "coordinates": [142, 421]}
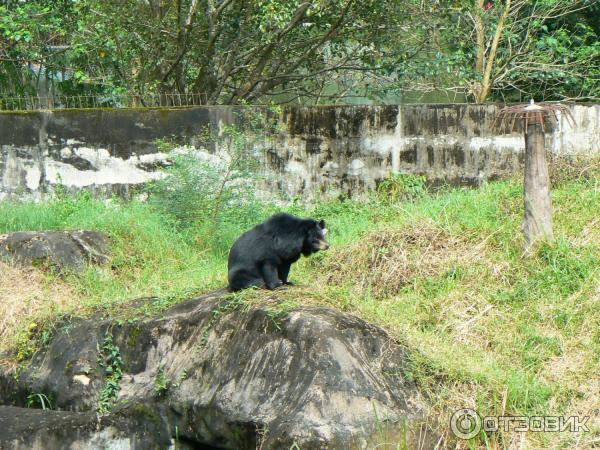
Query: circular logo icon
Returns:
{"type": "Point", "coordinates": [465, 423]}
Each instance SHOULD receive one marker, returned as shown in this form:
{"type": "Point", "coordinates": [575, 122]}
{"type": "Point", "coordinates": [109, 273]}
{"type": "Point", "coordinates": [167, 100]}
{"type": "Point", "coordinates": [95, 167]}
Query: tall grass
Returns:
{"type": "Point", "coordinates": [149, 256]}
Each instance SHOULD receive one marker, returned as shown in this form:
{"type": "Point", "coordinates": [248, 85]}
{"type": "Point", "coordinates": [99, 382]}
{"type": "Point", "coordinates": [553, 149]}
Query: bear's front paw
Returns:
{"type": "Point", "coordinates": [274, 285]}
{"type": "Point", "coordinates": [289, 283]}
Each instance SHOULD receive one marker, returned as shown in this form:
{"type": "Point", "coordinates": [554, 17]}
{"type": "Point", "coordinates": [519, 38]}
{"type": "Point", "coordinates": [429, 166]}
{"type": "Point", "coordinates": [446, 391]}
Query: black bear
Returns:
{"type": "Point", "coordinates": [262, 256]}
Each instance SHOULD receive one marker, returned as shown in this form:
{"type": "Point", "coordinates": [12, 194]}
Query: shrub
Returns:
{"type": "Point", "coordinates": [212, 195]}
{"type": "Point", "coordinates": [400, 186]}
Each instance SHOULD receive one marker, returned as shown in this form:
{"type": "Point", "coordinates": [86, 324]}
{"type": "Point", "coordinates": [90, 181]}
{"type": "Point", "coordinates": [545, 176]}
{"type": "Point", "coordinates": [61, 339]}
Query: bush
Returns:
{"type": "Point", "coordinates": [398, 187]}
{"type": "Point", "coordinates": [212, 197]}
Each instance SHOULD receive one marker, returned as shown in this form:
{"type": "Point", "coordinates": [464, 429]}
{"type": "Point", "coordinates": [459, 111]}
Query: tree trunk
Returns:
{"type": "Point", "coordinates": [538, 206]}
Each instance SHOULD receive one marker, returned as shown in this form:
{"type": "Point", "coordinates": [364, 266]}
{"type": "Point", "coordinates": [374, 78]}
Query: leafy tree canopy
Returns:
{"type": "Point", "coordinates": [240, 51]}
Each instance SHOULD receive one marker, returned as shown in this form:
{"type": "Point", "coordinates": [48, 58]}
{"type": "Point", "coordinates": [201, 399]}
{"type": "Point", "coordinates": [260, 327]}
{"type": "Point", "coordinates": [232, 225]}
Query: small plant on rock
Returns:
{"type": "Point", "coordinates": [110, 359]}
{"type": "Point", "coordinates": [161, 384]}
{"type": "Point", "coordinates": [39, 400]}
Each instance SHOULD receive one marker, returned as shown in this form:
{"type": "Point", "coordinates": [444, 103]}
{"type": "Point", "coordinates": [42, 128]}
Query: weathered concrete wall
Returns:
{"type": "Point", "coordinates": [334, 150]}
{"type": "Point", "coordinates": [316, 151]}
{"type": "Point", "coordinates": [112, 149]}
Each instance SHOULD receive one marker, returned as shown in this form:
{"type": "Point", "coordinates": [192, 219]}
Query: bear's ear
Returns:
{"type": "Point", "coordinates": [323, 227]}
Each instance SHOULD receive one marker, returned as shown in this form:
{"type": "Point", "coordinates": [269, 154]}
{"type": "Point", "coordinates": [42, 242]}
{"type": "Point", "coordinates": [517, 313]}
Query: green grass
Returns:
{"type": "Point", "coordinates": [487, 327]}
{"type": "Point", "coordinates": [149, 256]}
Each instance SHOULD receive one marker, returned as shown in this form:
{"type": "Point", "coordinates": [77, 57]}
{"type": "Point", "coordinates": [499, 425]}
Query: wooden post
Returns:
{"type": "Point", "coordinates": [537, 224]}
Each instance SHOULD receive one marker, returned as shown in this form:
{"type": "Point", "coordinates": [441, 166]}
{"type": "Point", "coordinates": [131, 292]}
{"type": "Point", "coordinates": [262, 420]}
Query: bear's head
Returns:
{"type": "Point", "coordinates": [315, 238]}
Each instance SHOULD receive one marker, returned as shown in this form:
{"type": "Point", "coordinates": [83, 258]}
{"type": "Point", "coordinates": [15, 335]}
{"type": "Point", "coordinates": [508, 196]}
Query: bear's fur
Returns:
{"type": "Point", "coordinates": [262, 256]}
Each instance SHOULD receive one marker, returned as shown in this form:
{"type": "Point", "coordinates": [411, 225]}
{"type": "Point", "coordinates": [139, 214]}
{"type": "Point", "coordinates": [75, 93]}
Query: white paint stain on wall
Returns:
{"type": "Point", "coordinates": [109, 169]}
{"type": "Point", "coordinates": [397, 147]}
{"type": "Point", "coordinates": [356, 167]}
{"type": "Point", "coordinates": [383, 144]}
{"type": "Point", "coordinates": [509, 142]}
{"type": "Point", "coordinates": [152, 158]}
{"type": "Point", "coordinates": [295, 168]}
{"type": "Point", "coordinates": [33, 178]}
{"type": "Point", "coordinates": [582, 137]}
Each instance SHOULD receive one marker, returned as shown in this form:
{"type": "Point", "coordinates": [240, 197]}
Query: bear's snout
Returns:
{"type": "Point", "coordinates": [323, 245]}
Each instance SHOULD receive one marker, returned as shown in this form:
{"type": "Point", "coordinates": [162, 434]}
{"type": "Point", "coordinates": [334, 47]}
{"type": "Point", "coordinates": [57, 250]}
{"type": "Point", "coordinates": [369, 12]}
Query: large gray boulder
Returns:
{"type": "Point", "coordinates": [61, 249]}
{"type": "Point", "coordinates": [34, 429]}
{"type": "Point", "coordinates": [222, 372]}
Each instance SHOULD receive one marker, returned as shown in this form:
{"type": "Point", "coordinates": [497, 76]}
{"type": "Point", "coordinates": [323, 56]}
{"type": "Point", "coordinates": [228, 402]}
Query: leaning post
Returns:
{"type": "Point", "coordinates": [537, 222]}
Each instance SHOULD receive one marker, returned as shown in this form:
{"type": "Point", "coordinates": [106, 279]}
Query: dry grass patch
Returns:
{"type": "Point", "coordinates": [577, 372]}
{"type": "Point", "coordinates": [388, 259]}
{"type": "Point", "coordinates": [567, 168]}
{"type": "Point", "coordinates": [590, 234]}
{"type": "Point", "coordinates": [27, 295]}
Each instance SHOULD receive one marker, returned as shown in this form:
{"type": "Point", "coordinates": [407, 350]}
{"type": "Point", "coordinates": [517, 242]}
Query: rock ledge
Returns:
{"type": "Point", "coordinates": [216, 371]}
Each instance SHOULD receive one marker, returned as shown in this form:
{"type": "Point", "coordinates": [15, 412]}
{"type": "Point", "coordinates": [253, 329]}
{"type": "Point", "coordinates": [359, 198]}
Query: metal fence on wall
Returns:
{"type": "Point", "coordinates": [32, 103]}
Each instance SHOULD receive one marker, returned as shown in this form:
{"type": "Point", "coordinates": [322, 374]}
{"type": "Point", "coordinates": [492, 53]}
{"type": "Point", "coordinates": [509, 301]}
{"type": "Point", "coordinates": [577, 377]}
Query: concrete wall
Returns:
{"type": "Point", "coordinates": [315, 151]}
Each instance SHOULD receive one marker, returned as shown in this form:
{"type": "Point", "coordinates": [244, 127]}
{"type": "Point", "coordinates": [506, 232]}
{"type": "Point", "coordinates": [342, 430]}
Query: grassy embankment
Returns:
{"type": "Point", "coordinates": [443, 272]}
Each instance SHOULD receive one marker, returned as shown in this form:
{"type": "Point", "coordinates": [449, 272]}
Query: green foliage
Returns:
{"type": "Point", "coordinates": [560, 270]}
{"type": "Point", "coordinates": [236, 52]}
{"type": "Point", "coordinates": [149, 256]}
{"type": "Point", "coordinates": [205, 193]}
{"type": "Point", "coordinates": [28, 30]}
{"type": "Point", "coordinates": [161, 383]}
{"type": "Point", "coordinates": [567, 56]}
{"type": "Point", "coordinates": [277, 316]}
{"type": "Point", "coordinates": [39, 400]}
{"type": "Point", "coordinates": [546, 50]}
{"type": "Point", "coordinates": [230, 52]}
{"type": "Point", "coordinates": [210, 196]}
{"type": "Point", "coordinates": [109, 358]}
{"type": "Point", "coordinates": [234, 302]}
{"type": "Point", "coordinates": [399, 187]}
{"type": "Point", "coordinates": [31, 339]}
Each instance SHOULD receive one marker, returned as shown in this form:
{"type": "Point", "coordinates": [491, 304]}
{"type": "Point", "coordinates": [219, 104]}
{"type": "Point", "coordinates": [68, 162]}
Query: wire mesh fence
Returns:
{"type": "Point", "coordinates": [32, 103]}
